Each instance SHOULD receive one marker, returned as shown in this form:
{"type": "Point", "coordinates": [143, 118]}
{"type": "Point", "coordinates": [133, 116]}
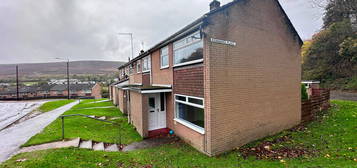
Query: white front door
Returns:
{"type": "Point", "coordinates": [157, 116]}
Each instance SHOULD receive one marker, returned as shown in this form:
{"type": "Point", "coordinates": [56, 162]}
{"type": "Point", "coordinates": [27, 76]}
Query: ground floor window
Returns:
{"type": "Point", "coordinates": [190, 110]}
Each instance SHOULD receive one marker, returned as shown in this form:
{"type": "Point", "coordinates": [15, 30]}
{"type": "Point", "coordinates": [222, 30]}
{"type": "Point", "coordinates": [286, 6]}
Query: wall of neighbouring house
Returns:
{"type": "Point", "coordinates": [146, 80]}
{"type": "Point", "coordinates": [135, 78]}
{"type": "Point", "coordinates": [161, 76]}
{"type": "Point", "coordinates": [97, 91]}
{"type": "Point", "coordinates": [121, 100]}
{"type": "Point", "coordinates": [188, 81]}
{"type": "Point", "coordinates": [252, 90]}
{"type": "Point", "coordinates": [110, 90]}
{"type": "Point", "coordinates": [138, 112]}
{"type": "Point", "coordinates": [115, 97]}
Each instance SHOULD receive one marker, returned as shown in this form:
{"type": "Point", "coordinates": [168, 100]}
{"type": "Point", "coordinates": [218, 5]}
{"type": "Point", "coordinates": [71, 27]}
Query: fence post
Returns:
{"type": "Point", "coordinates": [119, 134]}
{"type": "Point", "coordinates": [62, 127]}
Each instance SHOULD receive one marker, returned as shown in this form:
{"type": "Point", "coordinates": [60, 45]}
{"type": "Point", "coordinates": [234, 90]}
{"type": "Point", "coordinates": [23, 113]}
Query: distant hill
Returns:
{"type": "Point", "coordinates": [59, 68]}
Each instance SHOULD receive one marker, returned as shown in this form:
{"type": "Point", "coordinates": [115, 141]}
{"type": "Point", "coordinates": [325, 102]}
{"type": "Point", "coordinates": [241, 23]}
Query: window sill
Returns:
{"type": "Point", "coordinates": [165, 67]}
{"type": "Point", "coordinates": [189, 63]}
{"type": "Point", "coordinates": [189, 125]}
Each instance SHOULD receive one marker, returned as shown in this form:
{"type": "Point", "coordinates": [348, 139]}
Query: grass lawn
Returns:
{"type": "Point", "coordinates": [333, 138]}
{"type": "Point", "coordinates": [88, 128]}
{"type": "Point", "coordinates": [49, 106]}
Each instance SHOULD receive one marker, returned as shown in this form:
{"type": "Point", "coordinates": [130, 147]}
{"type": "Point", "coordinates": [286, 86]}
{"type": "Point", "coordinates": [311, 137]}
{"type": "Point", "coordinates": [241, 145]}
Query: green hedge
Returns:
{"type": "Point", "coordinates": [304, 95]}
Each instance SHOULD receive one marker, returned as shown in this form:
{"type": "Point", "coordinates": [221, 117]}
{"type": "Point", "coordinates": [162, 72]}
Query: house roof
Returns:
{"type": "Point", "coordinates": [72, 87]}
{"type": "Point", "coordinates": [198, 22]}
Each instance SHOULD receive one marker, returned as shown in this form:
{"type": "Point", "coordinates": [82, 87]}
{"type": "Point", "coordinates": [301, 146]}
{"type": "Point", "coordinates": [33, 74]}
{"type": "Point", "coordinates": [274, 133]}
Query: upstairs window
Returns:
{"type": "Point", "coordinates": [164, 54]}
{"type": "Point", "coordinates": [146, 64]}
{"type": "Point", "coordinates": [131, 69]}
{"type": "Point", "coordinates": [138, 66]}
{"type": "Point", "coordinates": [188, 50]}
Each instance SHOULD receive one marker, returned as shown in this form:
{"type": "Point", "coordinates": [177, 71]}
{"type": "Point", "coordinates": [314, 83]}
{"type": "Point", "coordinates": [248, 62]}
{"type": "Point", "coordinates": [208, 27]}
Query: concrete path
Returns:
{"type": "Point", "coordinates": [13, 137]}
{"type": "Point", "coordinates": [341, 95]}
{"type": "Point", "coordinates": [10, 112]}
{"type": "Point", "coordinates": [149, 143]}
{"type": "Point", "coordinates": [88, 108]}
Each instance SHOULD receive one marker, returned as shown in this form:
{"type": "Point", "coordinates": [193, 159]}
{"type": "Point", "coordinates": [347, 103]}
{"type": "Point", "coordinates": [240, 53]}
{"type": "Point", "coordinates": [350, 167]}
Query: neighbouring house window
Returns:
{"type": "Point", "coordinates": [138, 66]}
{"type": "Point", "coordinates": [189, 49]}
{"type": "Point", "coordinates": [146, 64]}
{"type": "Point", "coordinates": [190, 111]}
{"type": "Point", "coordinates": [131, 69]}
{"type": "Point", "coordinates": [164, 54]}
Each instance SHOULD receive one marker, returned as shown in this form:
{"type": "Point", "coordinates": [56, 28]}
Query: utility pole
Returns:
{"type": "Point", "coordinates": [68, 94]}
{"type": "Point", "coordinates": [17, 83]}
{"type": "Point", "coordinates": [68, 88]}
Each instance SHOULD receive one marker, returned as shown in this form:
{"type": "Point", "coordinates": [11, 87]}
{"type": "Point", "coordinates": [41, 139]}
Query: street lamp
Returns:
{"type": "Point", "coordinates": [131, 39]}
{"type": "Point", "coordinates": [68, 94]}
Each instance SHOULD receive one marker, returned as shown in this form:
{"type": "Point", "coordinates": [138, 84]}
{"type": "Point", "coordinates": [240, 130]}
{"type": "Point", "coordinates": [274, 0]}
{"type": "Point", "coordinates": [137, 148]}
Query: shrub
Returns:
{"type": "Point", "coordinates": [304, 95]}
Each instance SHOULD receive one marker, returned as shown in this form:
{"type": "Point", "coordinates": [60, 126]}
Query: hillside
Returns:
{"type": "Point", "coordinates": [59, 68]}
{"type": "Point", "coordinates": [331, 55]}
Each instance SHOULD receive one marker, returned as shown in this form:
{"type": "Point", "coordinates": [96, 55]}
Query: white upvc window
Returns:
{"type": "Point", "coordinates": [164, 57]}
{"type": "Point", "coordinates": [189, 111]}
{"type": "Point", "coordinates": [138, 66]}
{"type": "Point", "coordinates": [146, 64]}
{"type": "Point", "coordinates": [188, 50]}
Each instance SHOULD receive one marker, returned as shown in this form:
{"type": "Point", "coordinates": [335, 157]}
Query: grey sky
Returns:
{"type": "Point", "coordinates": [40, 30]}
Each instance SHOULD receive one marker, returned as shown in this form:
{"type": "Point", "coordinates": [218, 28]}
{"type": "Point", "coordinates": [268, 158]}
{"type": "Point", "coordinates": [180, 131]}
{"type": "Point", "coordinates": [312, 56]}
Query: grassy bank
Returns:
{"type": "Point", "coordinates": [88, 128]}
{"type": "Point", "coordinates": [331, 140]}
{"type": "Point", "coordinates": [49, 106]}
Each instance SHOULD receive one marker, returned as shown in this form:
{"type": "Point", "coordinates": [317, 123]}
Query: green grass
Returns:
{"type": "Point", "coordinates": [49, 106]}
{"type": "Point", "coordinates": [333, 137]}
{"type": "Point", "coordinates": [86, 128]}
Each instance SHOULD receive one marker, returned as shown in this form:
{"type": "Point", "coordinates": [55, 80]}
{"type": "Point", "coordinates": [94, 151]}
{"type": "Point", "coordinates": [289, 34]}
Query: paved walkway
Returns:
{"type": "Point", "coordinates": [340, 95]}
{"type": "Point", "coordinates": [149, 143]}
{"type": "Point", "coordinates": [13, 137]}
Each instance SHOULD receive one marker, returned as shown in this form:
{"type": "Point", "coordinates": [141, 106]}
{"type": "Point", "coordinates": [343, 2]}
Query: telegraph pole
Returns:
{"type": "Point", "coordinates": [68, 94]}
{"type": "Point", "coordinates": [17, 83]}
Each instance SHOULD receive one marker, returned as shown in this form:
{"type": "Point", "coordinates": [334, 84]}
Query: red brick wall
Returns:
{"type": "Point", "coordinates": [319, 100]}
{"type": "Point", "coordinates": [161, 76]}
{"type": "Point", "coordinates": [189, 81]}
{"type": "Point", "coordinates": [97, 91]}
{"type": "Point", "coordinates": [146, 79]}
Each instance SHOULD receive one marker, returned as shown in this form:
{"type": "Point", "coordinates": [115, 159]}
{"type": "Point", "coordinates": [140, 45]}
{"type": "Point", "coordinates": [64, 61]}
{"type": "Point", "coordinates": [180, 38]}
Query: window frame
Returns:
{"type": "Point", "coordinates": [194, 41]}
{"type": "Point", "coordinates": [138, 63]}
{"type": "Point", "coordinates": [184, 122]}
{"type": "Point", "coordinates": [161, 56]}
{"type": "Point", "coordinates": [148, 64]}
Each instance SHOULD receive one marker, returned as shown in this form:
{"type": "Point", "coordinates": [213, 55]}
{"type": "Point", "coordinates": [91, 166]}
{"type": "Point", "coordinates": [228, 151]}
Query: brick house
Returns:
{"type": "Point", "coordinates": [53, 91]}
{"type": "Point", "coordinates": [228, 78]}
{"type": "Point", "coordinates": [77, 90]}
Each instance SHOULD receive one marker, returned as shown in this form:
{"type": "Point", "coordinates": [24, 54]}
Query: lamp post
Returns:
{"type": "Point", "coordinates": [17, 83]}
{"type": "Point", "coordinates": [68, 94]}
{"type": "Point", "coordinates": [131, 41]}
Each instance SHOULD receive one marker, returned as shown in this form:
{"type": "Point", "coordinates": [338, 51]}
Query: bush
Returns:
{"type": "Point", "coordinates": [304, 95]}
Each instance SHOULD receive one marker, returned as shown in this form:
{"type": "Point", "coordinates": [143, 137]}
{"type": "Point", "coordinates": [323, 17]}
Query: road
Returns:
{"type": "Point", "coordinates": [340, 95]}
{"type": "Point", "coordinates": [12, 111]}
{"type": "Point", "coordinates": [13, 137]}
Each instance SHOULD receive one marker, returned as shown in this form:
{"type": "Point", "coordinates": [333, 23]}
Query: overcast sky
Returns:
{"type": "Point", "coordinates": [41, 30]}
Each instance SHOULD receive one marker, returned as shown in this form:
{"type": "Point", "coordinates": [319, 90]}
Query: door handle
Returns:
{"type": "Point", "coordinates": [151, 111]}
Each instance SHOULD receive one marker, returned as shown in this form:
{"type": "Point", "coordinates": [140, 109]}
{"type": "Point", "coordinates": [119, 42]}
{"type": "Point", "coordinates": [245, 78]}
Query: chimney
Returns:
{"type": "Point", "coordinates": [214, 5]}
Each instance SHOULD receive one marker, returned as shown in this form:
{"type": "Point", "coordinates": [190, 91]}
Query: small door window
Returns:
{"type": "Point", "coordinates": [152, 102]}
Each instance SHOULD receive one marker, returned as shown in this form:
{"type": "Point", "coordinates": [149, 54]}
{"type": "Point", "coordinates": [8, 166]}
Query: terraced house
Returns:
{"type": "Point", "coordinates": [228, 78]}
